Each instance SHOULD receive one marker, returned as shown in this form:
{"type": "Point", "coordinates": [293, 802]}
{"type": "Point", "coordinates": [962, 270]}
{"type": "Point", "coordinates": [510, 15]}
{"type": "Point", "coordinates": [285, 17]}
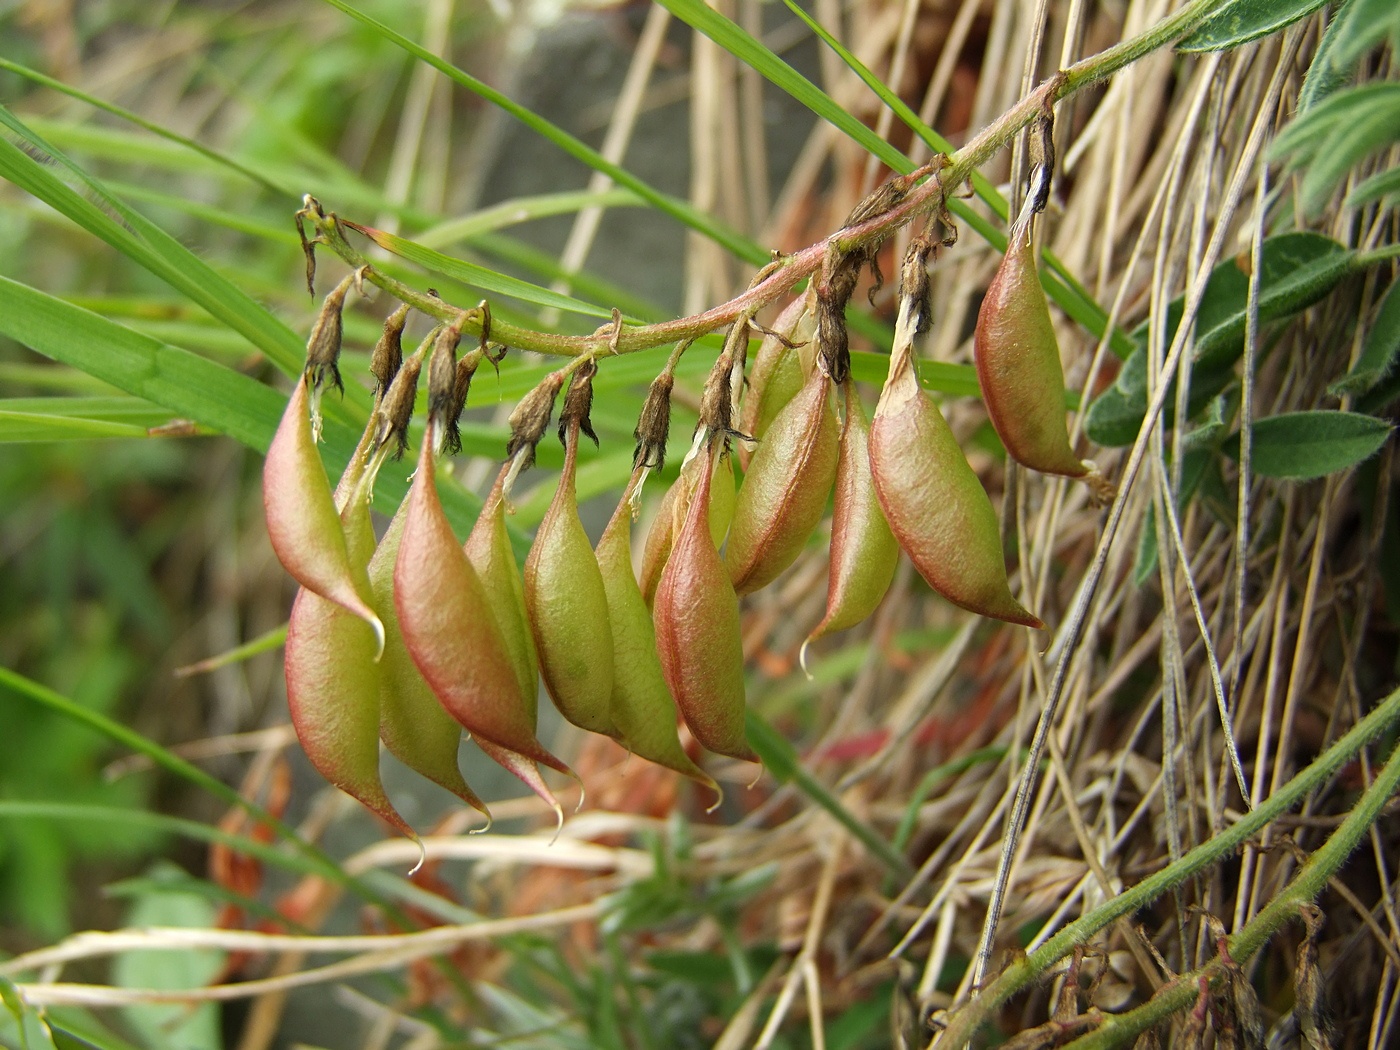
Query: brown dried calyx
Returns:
{"type": "Point", "coordinates": [396, 405]}
{"type": "Point", "coordinates": [323, 349]}
{"type": "Point", "coordinates": [529, 421]}
{"type": "Point", "coordinates": [719, 400]}
{"type": "Point", "coordinates": [578, 402]}
{"type": "Point", "coordinates": [387, 356]}
{"type": "Point", "coordinates": [654, 424]}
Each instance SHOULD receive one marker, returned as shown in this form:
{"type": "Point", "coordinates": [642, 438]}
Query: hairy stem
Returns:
{"type": "Point", "coordinates": [924, 198]}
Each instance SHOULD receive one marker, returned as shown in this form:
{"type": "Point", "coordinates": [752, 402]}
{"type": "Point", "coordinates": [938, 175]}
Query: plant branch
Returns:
{"type": "Point", "coordinates": [965, 1021]}
{"type": "Point", "coordinates": [923, 196]}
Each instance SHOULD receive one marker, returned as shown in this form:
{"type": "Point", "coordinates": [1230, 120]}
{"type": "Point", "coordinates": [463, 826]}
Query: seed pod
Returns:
{"type": "Point", "coordinates": [489, 549]}
{"type": "Point", "coordinates": [641, 705]}
{"type": "Point", "coordinates": [696, 617]}
{"type": "Point", "coordinates": [934, 503]}
{"type": "Point", "coordinates": [447, 624]}
{"type": "Point", "coordinates": [671, 515]}
{"type": "Point", "coordinates": [412, 724]}
{"type": "Point", "coordinates": [1018, 364]}
{"type": "Point", "coordinates": [784, 494]}
{"type": "Point", "coordinates": [568, 608]}
{"type": "Point", "coordinates": [864, 552]}
{"type": "Point", "coordinates": [334, 679]}
{"type": "Point", "coordinates": [333, 694]}
{"type": "Point", "coordinates": [301, 515]}
{"type": "Point", "coordinates": [779, 369]}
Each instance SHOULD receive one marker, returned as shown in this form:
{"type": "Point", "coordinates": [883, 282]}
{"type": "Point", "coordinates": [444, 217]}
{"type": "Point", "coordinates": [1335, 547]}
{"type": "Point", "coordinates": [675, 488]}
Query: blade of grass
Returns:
{"type": "Point", "coordinates": [576, 148]}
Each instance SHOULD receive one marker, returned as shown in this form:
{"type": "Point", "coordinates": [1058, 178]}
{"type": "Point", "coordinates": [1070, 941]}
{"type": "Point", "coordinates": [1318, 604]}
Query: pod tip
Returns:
{"type": "Point", "coordinates": [719, 795]}
{"type": "Point", "coordinates": [558, 822]}
{"type": "Point", "coordinates": [422, 856]}
{"type": "Point", "coordinates": [802, 654]}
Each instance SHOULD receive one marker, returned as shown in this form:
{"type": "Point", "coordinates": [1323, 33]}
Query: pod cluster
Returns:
{"type": "Point", "coordinates": [417, 637]}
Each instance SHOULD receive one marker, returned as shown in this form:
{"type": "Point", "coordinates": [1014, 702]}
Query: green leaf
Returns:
{"type": "Point", "coordinates": [1378, 352]}
{"type": "Point", "coordinates": [1297, 270]}
{"type": "Point", "coordinates": [1240, 21]}
{"type": "Point", "coordinates": [1367, 25]}
{"type": "Point", "coordinates": [1298, 446]}
{"type": "Point", "coordinates": [77, 418]}
{"type": "Point", "coordinates": [1326, 74]}
{"type": "Point", "coordinates": [171, 1026]}
{"type": "Point", "coordinates": [1335, 135]}
{"type": "Point", "coordinates": [1384, 185]}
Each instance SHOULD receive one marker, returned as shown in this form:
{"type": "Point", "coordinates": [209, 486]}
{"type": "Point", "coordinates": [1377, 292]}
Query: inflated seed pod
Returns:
{"type": "Point", "coordinates": [449, 629]}
{"type": "Point", "coordinates": [568, 608]}
{"type": "Point", "coordinates": [489, 549]}
{"type": "Point", "coordinates": [333, 694]}
{"type": "Point", "coordinates": [334, 678]}
{"type": "Point", "coordinates": [934, 503]}
{"type": "Point", "coordinates": [1018, 364]}
{"type": "Point", "coordinates": [302, 520]}
{"type": "Point", "coordinates": [671, 515]}
{"type": "Point", "coordinates": [696, 616]}
{"type": "Point", "coordinates": [784, 493]}
{"type": "Point", "coordinates": [641, 706]}
{"type": "Point", "coordinates": [779, 369]}
{"type": "Point", "coordinates": [864, 552]}
{"type": "Point", "coordinates": [413, 725]}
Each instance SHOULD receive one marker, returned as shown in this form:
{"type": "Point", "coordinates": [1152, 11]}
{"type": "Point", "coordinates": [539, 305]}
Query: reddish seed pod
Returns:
{"type": "Point", "coordinates": [784, 493]}
{"type": "Point", "coordinates": [1018, 364]}
{"type": "Point", "coordinates": [489, 549]}
{"type": "Point", "coordinates": [641, 705]}
{"type": "Point", "coordinates": [302, 521]}
{"type": "Point", "coordinates": [864, 552]}
{"type": "Point", "coordinates": [779, 369]}
{"type": "Point", "coordinates": [412, 724]}
{"type": "Point", "coordinates": [333, 694]}
{"type": "Point", "coordinates": [450, 631]}
{"type": "Point", "coordinates": [568, 608]}
{"type": "Point", "coordinates": [671, 515]}
{"type": "Point", "coordinates": [934, 503]}
{"type": "Point", "coordinates": [334, 678]}
{"type": "Point", "coordinates": [696, 616]}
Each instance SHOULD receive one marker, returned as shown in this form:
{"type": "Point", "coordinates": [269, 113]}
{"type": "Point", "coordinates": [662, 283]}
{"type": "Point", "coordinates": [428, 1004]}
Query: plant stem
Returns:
{"type": "Point", "coordinates": [922, 199]}
{"type": "Point", "coordinates": [1310, 881]}
{"type": "Point", "coordinates": [965, 1021]}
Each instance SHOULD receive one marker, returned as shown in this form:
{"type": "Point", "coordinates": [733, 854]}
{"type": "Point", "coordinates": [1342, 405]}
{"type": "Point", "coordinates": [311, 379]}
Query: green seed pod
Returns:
{"type": "Point", "coordinates": [641, 706]}
{"type": "Point", "coordinates": [302, 521]}
{"type": "Point", "coordinates": [779, 369]}
{"type": "Point", "coordinates": [450, 631]}
{"type": "Point", "coordinates": [1018, 364]}
{"type": "Point", "coordinates": [696, 616]}
{"type": "Point", "coordinates": [934, 503]}
{"type": "Point", "coordinates": [864, 552]}
{"type": "Point", "coordinates": [333, 694]}
{"type": "Point", "coordinates": [784, 493]}
{"type": "Point", "coordinates": [671, 515]}
{"type": "Point", "coordinates": [568, 608]}
{"type": "Point", "coordinates": [412, 724]}
{"type": "Point", "coordinates": [489, 549]}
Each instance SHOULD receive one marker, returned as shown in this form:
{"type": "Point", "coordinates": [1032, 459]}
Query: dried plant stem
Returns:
{"type": "Point", "coordinates": [925, 195]}
{"type": "Point", "coordinates": [966, 1020]}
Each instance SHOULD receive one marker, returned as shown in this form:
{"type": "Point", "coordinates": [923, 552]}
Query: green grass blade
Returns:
{"type": "Point", "coordinates": [575, 147]}
{"type": "Point", "coordinates": [214, 155]}
{"type": "Point", "coordinates": [147, 245]}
